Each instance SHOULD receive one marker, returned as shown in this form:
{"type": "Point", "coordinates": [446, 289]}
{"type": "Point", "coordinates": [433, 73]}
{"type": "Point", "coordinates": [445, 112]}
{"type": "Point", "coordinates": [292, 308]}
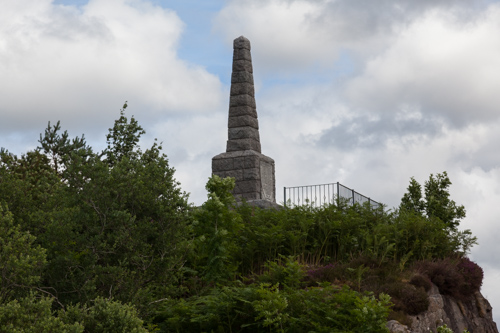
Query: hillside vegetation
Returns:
{"type": "Point", "coordinates": [107, 242]}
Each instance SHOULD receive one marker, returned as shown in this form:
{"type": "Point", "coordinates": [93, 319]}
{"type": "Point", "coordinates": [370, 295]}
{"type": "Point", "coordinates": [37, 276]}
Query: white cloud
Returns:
{"type": "Point", "coordinates": [282, 32]}
{"type": "Point", "coordinates": [443, 68]}
{"type": "Point", "coordinates": [80, 64]}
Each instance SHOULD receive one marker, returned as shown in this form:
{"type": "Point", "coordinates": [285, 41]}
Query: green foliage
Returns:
{"type": "Point", "coordinates": [113, 224]}
{"type": "Point", "coordinates": [215, 226]}
{"type": "Point", "coordinates": [21, 260]}
{"type": "Point", "coordinates": [101, 231]}
{"type": "Point", "coordinates": [58, 147]}
{"type": "Point", "coordinates": [104, 316]}
{"type": "Point", "coordinates": [123, 139]}
{"type": "Point", "coordinates": [267, 308]}
{"type": "Point", "coordinates": [32, 315]}
{"type": "Point", "coordinates": [289, 274]}
{"type": "Point", "coordinates": [437, 203]}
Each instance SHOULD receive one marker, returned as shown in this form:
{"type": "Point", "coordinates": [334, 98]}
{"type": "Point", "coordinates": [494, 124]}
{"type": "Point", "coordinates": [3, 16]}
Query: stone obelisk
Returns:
{"type": "Point", "coordinates": [243, 160]}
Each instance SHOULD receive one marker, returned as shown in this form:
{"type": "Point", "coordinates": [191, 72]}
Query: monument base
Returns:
{"type": "Point", "coordinates": [253, 172]}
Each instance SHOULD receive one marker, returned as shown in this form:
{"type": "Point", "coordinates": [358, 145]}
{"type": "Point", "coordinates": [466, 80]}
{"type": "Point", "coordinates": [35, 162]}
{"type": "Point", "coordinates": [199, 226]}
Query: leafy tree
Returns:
{"type": "Point", "coordinates": [32, 315]}
{"type": "Point", "coordinates": [123, 139]}
{"type": "Point", "coordinates": [113, 224]}
{"type": "Point", "coordinates": [412, 200]}
{"type": "Point", "coordinates": [21, 260]}
{"type": "Point", "coordinates": [57, 147]}
{"type": "Point", "coordinates": [104, 316]}
{"type": "Point", "coordinates": [215, 226]}
{"type": "Point", "coordinates": [437, 202]}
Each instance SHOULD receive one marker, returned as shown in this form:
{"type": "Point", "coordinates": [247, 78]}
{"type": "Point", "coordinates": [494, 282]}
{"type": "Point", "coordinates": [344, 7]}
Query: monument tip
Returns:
{"type": "Point", "coordinates": [241, 43]}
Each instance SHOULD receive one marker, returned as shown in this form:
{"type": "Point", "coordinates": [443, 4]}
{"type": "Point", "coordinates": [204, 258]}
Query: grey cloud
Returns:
{"type": "Point", "coordinates": [363, 132]}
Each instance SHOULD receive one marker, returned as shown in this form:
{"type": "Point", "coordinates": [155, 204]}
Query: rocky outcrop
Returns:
{"type": "Point", "coordinates": [474, 315]}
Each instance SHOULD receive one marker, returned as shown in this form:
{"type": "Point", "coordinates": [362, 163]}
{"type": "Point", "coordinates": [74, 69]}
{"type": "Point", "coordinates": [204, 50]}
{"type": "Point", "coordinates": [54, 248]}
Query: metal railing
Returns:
{"type": "Point", "coordinates": [322, 194]}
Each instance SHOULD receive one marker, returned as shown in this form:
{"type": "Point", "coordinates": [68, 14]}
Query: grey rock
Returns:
{"type": "Point", "coordinates": [242, 89]}
{"type": "Point", "coordinates": [262, 204]}
{"type": "Point", "coordinates": [245, 110]}
{"type": "Point", "coordinates": [222, 164]}
{"type": "Point", "coordinates": [241, 43]}
{"type": "Point", "coordinates": [252, 162]}
{"type": "Point", "coordinates": [239, 163]}
{"type": "Point", "coordinates": [236, 174]}
{"type": "Point", "coordinates": [245, 132]}
{"type": "Point", "coordinates": [243, 144]}
{"type": "Point", "coordinates": [241, 121]}
{"type": "Point", "coordinates": [395, 327]}
{"type": "Point", "coordinates": [247, 186]}
{"type": "Point", "coordinates": [242, 100]}
{"type": "Point", "coordinates": [241, 77]}
{"type": "Point", "coordinates": [251, 174]}
{"type": "Point", "coordinates": [242, 54]}
{"type": "Point", "coordinates": [242, 65]}
{"type": "Point", "coordinates": [474, 315]}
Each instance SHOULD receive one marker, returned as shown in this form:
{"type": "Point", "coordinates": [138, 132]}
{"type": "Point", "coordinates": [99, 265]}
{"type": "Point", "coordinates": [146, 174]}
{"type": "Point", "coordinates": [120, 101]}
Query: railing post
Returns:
{"type": "Point", "coordinates": [284, 196]}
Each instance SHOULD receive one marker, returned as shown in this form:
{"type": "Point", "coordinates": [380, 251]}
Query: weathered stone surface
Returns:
{"type": "Point", "coordinates": [251, 174]}
{"type": "Point", "coordinates": [395, 327]}
{"type": "Point", "coordinates": [252, 162]}
{"type": "Point", "coordinates": [242, 54]}
{"type": "Point", "coordinates": [247, 186]}
{"type": "Point", "coordinates": [242, 89]}
{"type": "Point", "coordinates": [239, 163]}
{"type": "Point", "coordinates": [474, 315]}
{"type": "Point", "coordinates": [268, 185]}
{"type": "Point", "coordinates": [242, 100]}
{"type": "Point", "coordinates": [241, 121]}
{"type": "Point", "coordinates": [222, 164]}
{"type": "Point", "coordinates": [236, 174]}
{"type": "Point", "coordinates": [243, 144]}
{"type": "Point", "coordinates": [242, 66]}
{"type": "Point", "coordinates": [250, 196]}
{"type": "Point", "coordinates": [236, 111]}
{"type": "Point", "coordinates": [263, 204]}
{"type": "Point", "coordinates": [245, 132]}
{"type": "Point", "coordinates": [241, 43]}
{"type": "Point", "coordinates": [241, 77]}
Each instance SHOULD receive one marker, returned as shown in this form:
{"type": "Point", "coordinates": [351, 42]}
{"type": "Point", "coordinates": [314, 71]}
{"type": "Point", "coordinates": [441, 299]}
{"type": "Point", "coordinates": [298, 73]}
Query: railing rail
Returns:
{"type": "Point", "coordinates": [319, 195]}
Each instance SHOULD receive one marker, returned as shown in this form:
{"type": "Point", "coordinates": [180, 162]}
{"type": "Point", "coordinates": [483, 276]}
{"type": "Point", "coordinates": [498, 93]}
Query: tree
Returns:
{"type": "Point", "coordinates": [437, 202]}
{"type": "Point", "coordinates": [113, 224]}
{"type": "Point", "coordinates": [21, 260]}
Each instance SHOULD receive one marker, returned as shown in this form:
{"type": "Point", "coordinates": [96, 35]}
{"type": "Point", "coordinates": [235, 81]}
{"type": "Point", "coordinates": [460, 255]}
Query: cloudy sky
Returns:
{"type": "Point", "coordinates": [367, 93]}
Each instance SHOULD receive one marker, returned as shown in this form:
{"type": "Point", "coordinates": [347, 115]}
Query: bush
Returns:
{"type": "Point", "coordinates": [419, 280]}
{"type": "Point", "coordinates": [408, 298]}
{"type": "Point", "coordinates": [459, 278]}
{"type": "Point", "coordinates": [289, 273]}
{"type": "Point", "coordinates": [264, 308]}
{"type": "Point", "coordinates": [105, 316]}
{"type": "Point", "coordinates": [473, 276]}
{"type": "Point", "coordinates": [322, 273]}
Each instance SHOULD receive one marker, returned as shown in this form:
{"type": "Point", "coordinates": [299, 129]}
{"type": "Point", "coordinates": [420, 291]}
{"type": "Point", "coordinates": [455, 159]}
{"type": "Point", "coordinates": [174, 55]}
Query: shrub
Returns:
{"type": "Point", "coordinates": [408, 298]}
{"type": "Point", "coordinates": [444, 275]}
{"type": "Point", "coordinates": [473, 276]}
{"type": "Point", "coordinates": [289, 273]}
{"type": "Point", "coordinates": [323, 273]}
{"type": "Point", "coordinates": [419, 280]}
{"type": "Point", "coordinates": [459, 278]}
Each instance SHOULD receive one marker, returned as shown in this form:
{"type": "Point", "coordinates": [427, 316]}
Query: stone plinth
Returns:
{"type": "Point", "coordinates": [253, 172]}
{"type": "Point", "coordinates": [243, 160]}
